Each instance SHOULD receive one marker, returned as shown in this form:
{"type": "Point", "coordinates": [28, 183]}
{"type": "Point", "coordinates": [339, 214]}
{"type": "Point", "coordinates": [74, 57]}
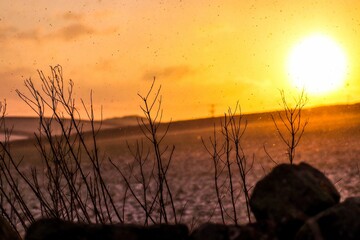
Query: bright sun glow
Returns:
{"type": "Point", "coordinates": [317, 64]}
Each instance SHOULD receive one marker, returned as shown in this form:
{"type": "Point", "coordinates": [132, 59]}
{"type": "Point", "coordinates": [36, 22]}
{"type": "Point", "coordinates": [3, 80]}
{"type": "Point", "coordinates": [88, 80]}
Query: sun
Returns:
{"type": "Point", "coordinates": [317, 64]}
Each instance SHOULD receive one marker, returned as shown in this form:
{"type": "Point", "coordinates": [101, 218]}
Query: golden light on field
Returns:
{"type": "Point", "coordinates": [317, 64]}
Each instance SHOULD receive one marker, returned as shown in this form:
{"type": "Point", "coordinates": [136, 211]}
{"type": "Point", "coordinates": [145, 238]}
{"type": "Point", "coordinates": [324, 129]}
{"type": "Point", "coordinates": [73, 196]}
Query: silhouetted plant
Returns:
{"type": "Point", "coordinates": [216, 154]}
{"type": "Point", "coordinates": [237, 131]}
{"type": "Point", "coordinates": [10, 208]}
{"type": "Point", "coordinates": [292, 125]}
{"type": "Point", "coordinates": [71, 185]}
{"type": "Point", "coordinates": [224, 155]}
{"type": "Point", "coordinates": [74, 186]}
{"type": "Point", "coordinates": [156, 203]}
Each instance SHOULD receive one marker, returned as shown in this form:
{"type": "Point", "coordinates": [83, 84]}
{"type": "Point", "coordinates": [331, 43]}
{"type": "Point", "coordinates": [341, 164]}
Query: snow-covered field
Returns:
{"type": "Point", "coordinates": [331, 143]}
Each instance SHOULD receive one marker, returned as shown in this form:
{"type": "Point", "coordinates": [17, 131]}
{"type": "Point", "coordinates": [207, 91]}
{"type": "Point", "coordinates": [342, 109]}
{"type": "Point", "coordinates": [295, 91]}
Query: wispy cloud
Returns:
{"type": "Point", "coordinates": [10, 76]}
{"type": "Point", "coordinates": [170, 73]}
{"type": "Point", "coordinates": [33, 34]}
{"type": "Point", "coordinates": [77, 25]}
{"type": "Point", "coordinates": [66, 33]}
{"type": "Point", "coordinates": [71, 16]}
{"type": "Point", "coordinates": [105, 65]}
{"type": "Point", "coordinates": [74, 30]}
{"type": "Point", "coordinates": [7, 31]}
{"type": "Point", "coordinates": [74, 25]}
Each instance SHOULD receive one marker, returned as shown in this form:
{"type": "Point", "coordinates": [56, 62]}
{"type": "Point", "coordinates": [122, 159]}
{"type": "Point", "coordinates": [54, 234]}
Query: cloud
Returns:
{"type": "Point", "coordinates": [10, 32]}
{"type": "Point", "coordinates": [67, 33]}
{"type": "Point", "coordinates": [170, 73]}
{"type": "Point", "coordinates": [6, 31]}
{"type": "Point", "coordinates": [33, 34]}
{"type": "Point", "coordinates": [76, 27]}
{"type": "Point", "coordinates": [71, 16]}
{"type": "Point", "coordinates": [73, 26]}
{"type": "Point", "coordinates": [105, 65]}
{"type": "Point", "coordinates": [74, 30]}
{"type": "Point", "coordinates": [11, 73]}
{"type": "Point", "coordinates": [9, 78]}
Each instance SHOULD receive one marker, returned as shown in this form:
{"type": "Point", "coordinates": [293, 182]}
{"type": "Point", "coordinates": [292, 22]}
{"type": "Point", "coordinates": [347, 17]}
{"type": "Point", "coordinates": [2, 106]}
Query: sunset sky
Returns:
{"type": "Point", "coordinates": [201, 52]}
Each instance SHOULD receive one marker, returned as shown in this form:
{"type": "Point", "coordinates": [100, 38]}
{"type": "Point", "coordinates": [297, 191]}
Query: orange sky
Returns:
{"type": "Point", "coordinates": [202, 52]}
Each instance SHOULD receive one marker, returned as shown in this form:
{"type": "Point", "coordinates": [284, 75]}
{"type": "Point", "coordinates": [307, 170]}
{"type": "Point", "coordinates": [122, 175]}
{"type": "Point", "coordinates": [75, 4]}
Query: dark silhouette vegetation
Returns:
{"type": "Point", "coordinates": [76, 201]}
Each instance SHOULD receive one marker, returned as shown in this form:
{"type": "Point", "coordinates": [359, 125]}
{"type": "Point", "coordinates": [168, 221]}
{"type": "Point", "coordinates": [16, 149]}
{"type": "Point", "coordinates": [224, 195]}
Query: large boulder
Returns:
{"type": "Point", "coordinates": [6, 231]}
{"type": "Point", "coordinates": [55, 229]}
{"type": "Point", "coordinates": [341, 221]}
{"type": "Point", "coordinates": [289, 195]}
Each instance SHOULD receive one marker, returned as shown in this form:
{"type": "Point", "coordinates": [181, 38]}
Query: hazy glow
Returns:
{"type": "Point", "coordinates": [203, 53]}
{"type": "Point", "coordinates": [318, 65]}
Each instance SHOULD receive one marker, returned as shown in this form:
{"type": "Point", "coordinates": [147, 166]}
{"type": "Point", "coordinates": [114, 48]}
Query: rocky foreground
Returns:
{"type": "Point", "coordinates": [291, 202]}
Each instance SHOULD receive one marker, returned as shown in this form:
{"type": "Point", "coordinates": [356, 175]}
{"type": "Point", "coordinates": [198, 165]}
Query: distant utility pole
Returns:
{"type": "Point", "coordinates": [212, 110]}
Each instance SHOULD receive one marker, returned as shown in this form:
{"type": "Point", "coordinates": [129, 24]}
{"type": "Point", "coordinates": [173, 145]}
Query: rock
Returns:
{"type": "Point", "coordinates": [289, 195]}
{"type": "Point", "coordinates": [55, 229]}
{"type": "Point", "coordinates": [166, 232]}
{"type": "Point", "coordinates": [338, 222]}
{"type": "Point", "coordinates": [6, 231]}
{"type": "Point", "coordinates": [212, 231]}
{"type": "Point", "coordinates": [258, 231]}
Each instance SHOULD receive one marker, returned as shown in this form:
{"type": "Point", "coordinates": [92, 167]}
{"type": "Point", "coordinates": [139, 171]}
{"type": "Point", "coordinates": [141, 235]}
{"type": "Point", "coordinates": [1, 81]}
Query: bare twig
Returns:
{"type": "Point", "coordinates": [291, 127]}
{"type": "Point", "coordinates": [226, 154]}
